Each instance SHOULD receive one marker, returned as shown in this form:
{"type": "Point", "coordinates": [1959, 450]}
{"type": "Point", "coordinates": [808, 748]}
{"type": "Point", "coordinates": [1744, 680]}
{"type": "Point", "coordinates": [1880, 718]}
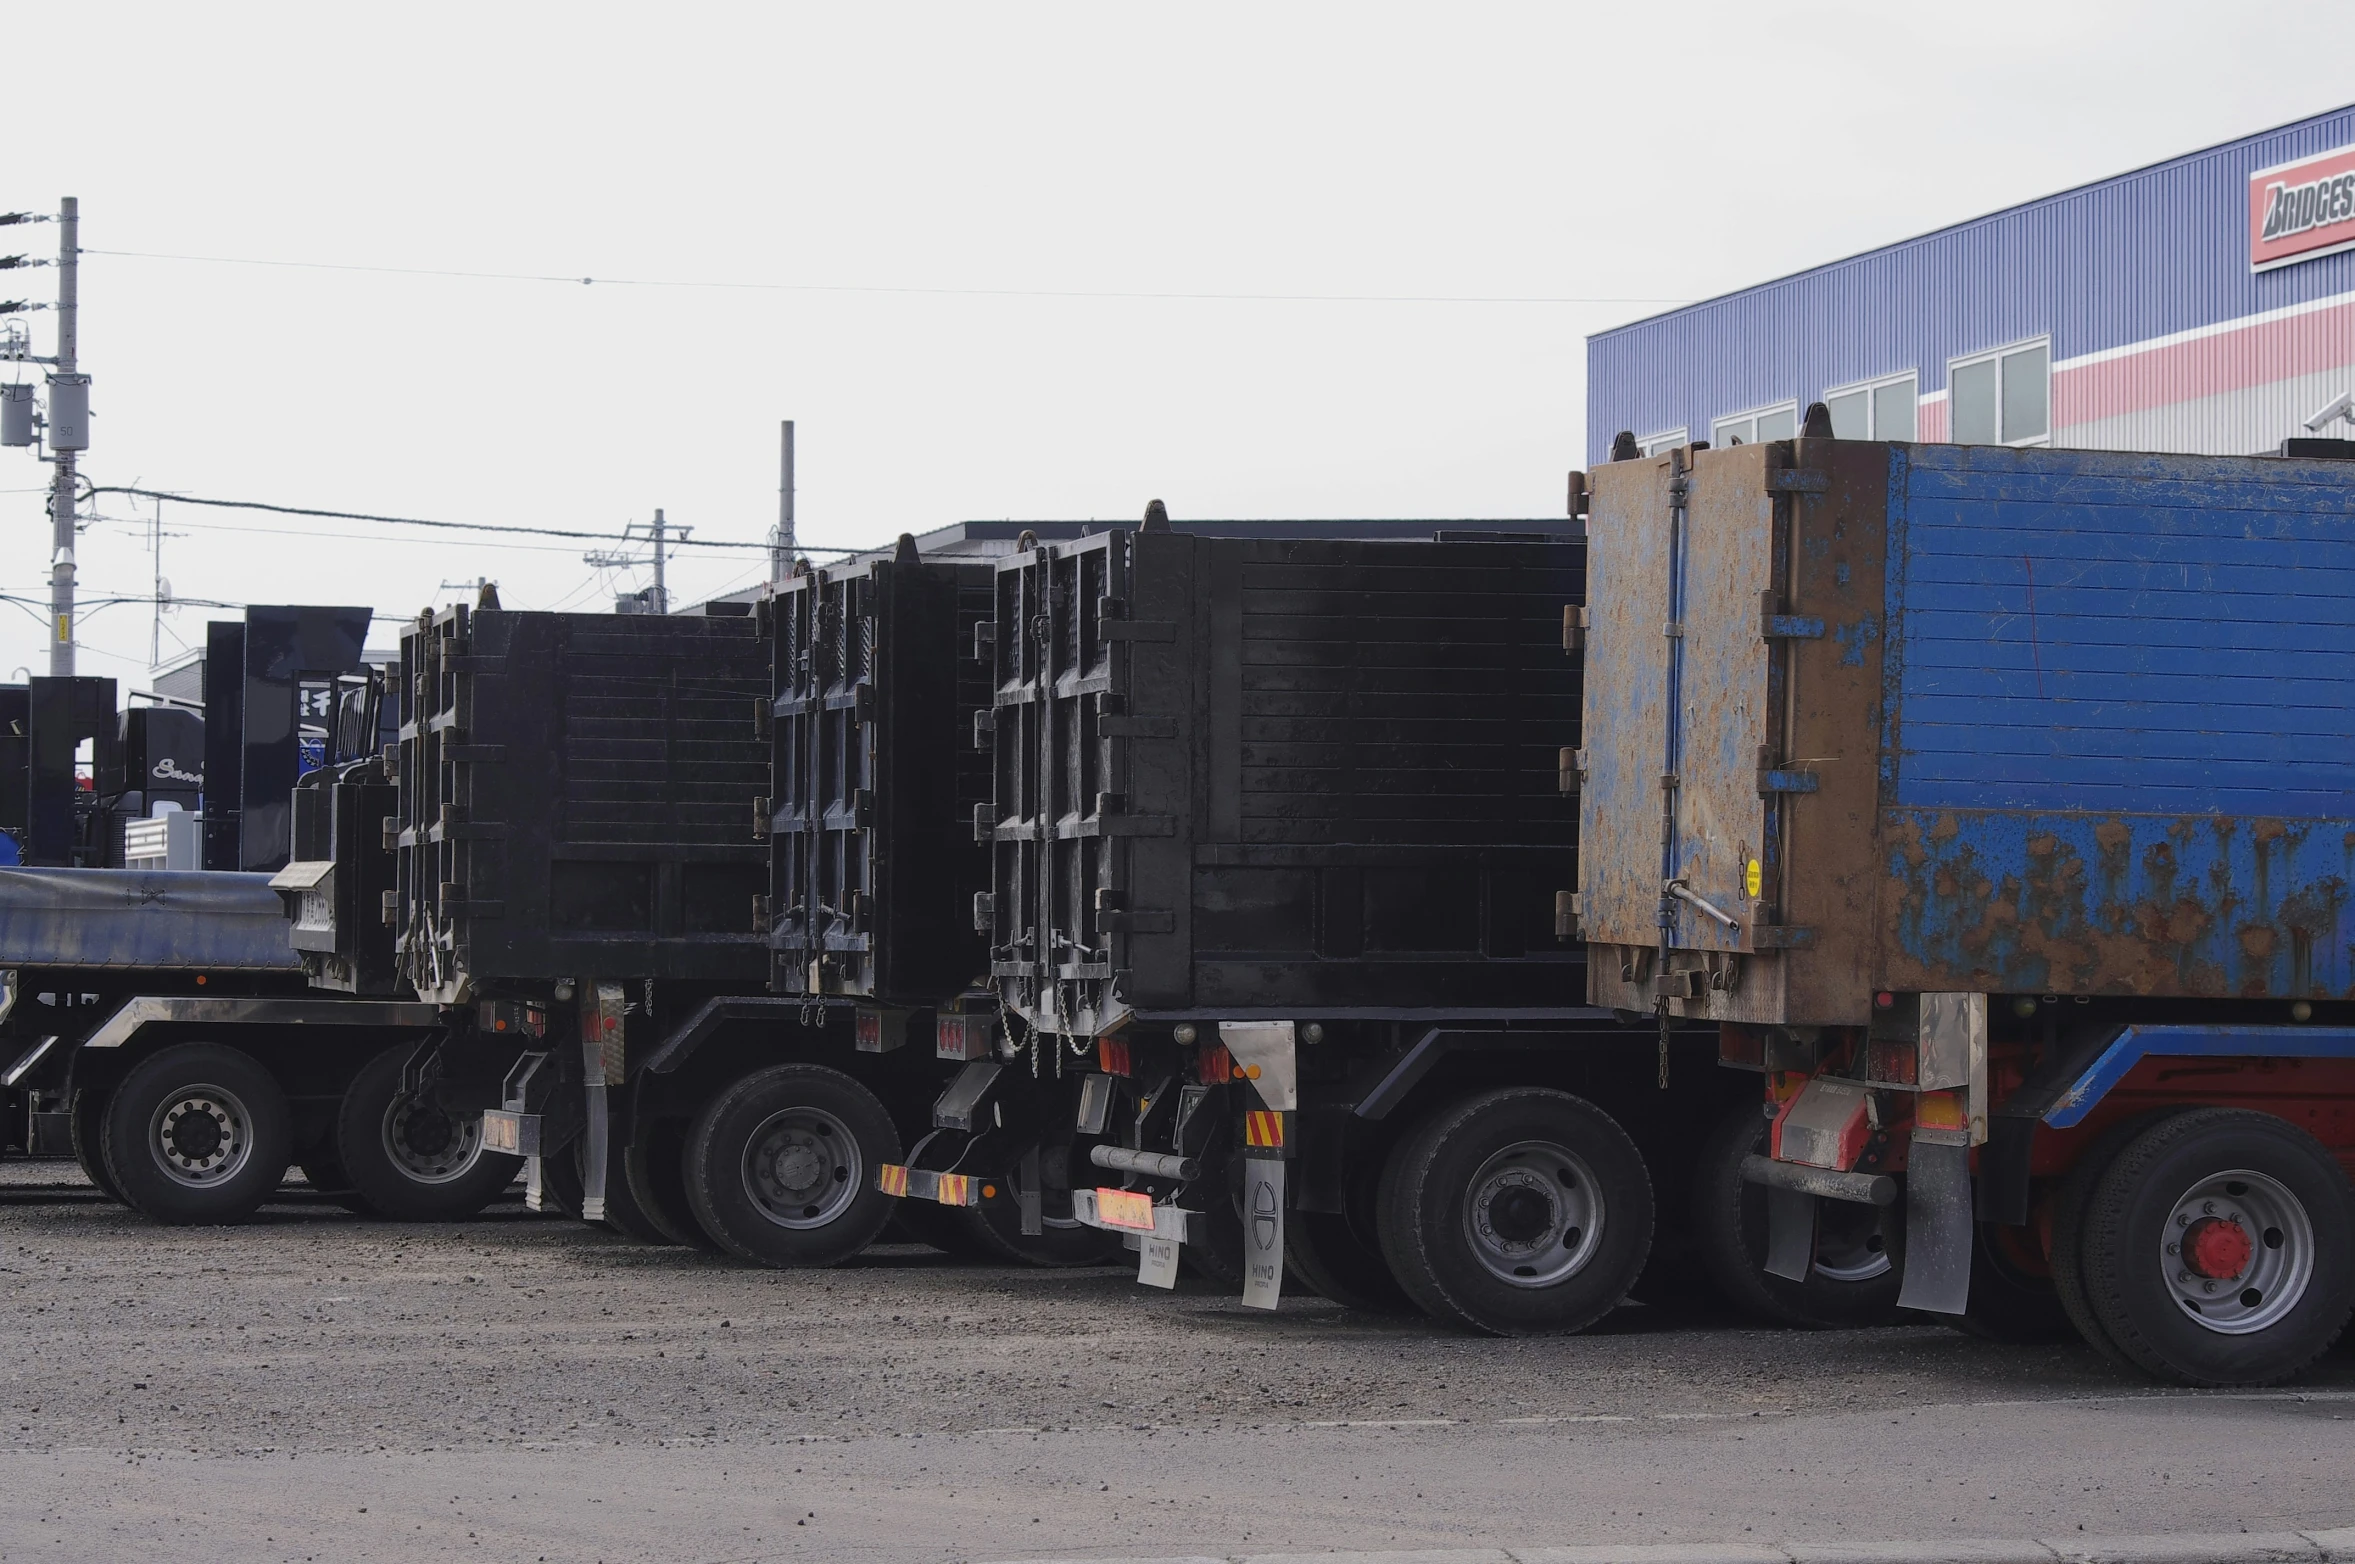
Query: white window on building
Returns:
{"type": "Point", "coordinates": [2003, 397]}
{"type": "Point", "coordinates": [1662, 443]}
{"type": "Point", "coordinates": [1779, 422]}
{"type": "Point", "coordinates": [1880, 409]}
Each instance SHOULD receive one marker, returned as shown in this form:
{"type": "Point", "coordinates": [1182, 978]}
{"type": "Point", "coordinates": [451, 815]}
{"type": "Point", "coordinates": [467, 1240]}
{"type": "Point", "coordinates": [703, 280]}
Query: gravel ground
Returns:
{"type": "Point", "coordinates": [494, 1347]}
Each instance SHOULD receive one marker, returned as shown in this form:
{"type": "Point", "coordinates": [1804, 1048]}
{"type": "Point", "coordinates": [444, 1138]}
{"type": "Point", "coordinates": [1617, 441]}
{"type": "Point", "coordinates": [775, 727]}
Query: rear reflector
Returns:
{"type": "Point", "coordinates": [1127, 1208]}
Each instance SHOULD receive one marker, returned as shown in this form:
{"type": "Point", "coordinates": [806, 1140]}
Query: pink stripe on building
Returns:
{"type": "Point", "coordinates": [1930, 420]}
{"type": "Point", "coordinates": [2229, 360]}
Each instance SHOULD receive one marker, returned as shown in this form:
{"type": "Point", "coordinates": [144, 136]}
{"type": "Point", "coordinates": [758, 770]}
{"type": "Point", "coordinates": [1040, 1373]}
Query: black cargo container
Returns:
{"type": "Point", "coordinates": [876, 677]}
{"type": "Point", "coordinates": [1255, 776]}
{"type": "Point", "coordinates": [575, 799]}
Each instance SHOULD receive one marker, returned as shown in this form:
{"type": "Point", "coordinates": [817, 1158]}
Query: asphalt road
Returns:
{"type": "Point", "coordinates": [318, 1387]}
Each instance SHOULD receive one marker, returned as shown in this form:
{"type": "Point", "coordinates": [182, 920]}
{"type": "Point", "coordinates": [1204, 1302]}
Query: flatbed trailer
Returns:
{"type": "Point", "coordinates": [1996, 806]}
{"type": "Point", "coordinates": [159, 1028]}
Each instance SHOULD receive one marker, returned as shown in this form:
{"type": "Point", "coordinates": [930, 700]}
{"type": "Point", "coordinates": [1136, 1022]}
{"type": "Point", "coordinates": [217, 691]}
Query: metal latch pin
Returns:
{"type": "Point", "coordinates": [1685, 893]}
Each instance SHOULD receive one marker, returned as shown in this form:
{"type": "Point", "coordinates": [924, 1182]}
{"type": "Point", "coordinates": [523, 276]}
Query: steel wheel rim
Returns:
{"type": "Point", "coordinates": [802, 1168]}
{"type": "Point", "coordinates": [1533, 1214]}
{"type": "Point", "coordinates": [1850, 1246]}
{"type": "Point", "coordinates": [422, 1155]}
{"type": "Point", "coordinates": [201, 1136]}
{"type": "Point", "coordinates": [2279, 1239]}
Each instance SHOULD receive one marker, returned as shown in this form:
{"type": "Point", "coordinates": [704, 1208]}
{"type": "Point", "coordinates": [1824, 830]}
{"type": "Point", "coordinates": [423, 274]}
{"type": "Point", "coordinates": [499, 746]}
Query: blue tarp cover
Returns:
{"type": "Point", "coordinates": [142, 918]}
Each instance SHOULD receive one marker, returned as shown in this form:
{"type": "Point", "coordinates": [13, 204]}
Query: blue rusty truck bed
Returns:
{"type": "Point", "coordinates": [142, 919]}
{"type": "Point", "coordinates": [1934, 718]}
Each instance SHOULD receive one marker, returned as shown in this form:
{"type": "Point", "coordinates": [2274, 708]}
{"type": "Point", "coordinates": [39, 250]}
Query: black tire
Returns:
{"type": "Point", "coordinates": [2068, 1223]}
{"type": "Point", "coordinates": [85, 1126]}
{"type": "Point", "coordinates": [623, 1212]}
{"type": "Point", "coordinates": [1534, 1172]}
{"type": "Point", "coordinates": [561, 1185]}
{"type": "Point", "coordinates": [197, 1133]}
{"type": "Point", "coordinates": [781, 1166]}
{"type": "Point", "coordinates": [653, 1166]}
{"type": "Point", "coordinates": [1338, 1254]}
{"type": "Point", "coordinates": [996, 1226]}
{"type": "Point", "coordinates": [2272, 1199]}
{"type": "Point", "coordinates": [1217, 1255]}
{"type": "Point", "coordinates": [412, 1159]}
{"type": "Point", "coordinates": [1860, 1249]}
{"type": "Point", "coordinates": [2011, 1301]}
{"type": "Point", "coordinates": [1323, 1250]}
{"type": "Point", "coordinates": [324, 1171]}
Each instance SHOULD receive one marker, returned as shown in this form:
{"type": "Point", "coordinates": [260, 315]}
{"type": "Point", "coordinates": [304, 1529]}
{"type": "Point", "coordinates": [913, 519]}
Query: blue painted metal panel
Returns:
{"type": "Point", "coordinates": [2118, 733]}
{"type": "Point", "coordinates": [124, 918]}
{"type": "Point", "coordinates": [2125, 903]}
{"type": "Point", "coordinates": [2160, 250]}
{"type": "Point", "coordinates": [2138, 1043]}
{"type": "Point", "coordinates": [2085, 631]}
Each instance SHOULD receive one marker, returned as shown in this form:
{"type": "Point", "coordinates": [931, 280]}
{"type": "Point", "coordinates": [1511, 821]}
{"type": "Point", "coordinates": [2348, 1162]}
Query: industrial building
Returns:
{"type": "Point", "coordinates": [2203, 304]}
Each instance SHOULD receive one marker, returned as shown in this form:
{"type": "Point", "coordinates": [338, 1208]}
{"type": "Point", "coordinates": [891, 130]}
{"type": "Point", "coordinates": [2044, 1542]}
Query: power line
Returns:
{"type": "Point", "coordinates": [820, 287]}
{"type": "Point", "coordinates": [416, 521]}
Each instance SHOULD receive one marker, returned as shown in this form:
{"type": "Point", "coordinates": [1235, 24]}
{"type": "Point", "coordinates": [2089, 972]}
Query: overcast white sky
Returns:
{"type": "Point", "coordinates": [1068, 152]}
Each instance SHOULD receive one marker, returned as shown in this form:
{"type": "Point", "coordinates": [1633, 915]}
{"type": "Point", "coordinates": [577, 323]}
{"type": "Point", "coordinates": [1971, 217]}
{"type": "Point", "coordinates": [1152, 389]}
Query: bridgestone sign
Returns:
{"type": "Point", "coordinates": [2300, 210]}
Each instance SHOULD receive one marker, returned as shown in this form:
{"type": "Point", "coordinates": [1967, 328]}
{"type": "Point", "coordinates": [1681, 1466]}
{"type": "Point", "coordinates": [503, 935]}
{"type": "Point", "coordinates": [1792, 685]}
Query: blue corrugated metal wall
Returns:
{"type": "Point", "coordinates": [2160, 250]}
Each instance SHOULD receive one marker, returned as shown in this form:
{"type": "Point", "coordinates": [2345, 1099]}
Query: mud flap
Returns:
{"type": "Point", "coordinates": [602, 1008]}
{"type": "Point", "coordinates": [1937, 1228]}
{"type": "Point", "coordinates": [1263, 1232]}
{"type": "Point", "coordinates": [1790, 1233]}
{"type": "Point", "coordinates": [1157, 1260]}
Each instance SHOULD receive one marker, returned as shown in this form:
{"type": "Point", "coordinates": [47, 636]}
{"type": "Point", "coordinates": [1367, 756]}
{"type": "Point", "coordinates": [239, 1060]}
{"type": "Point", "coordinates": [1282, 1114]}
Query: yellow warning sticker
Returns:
{"type": "Point", "coordinates": [1752, 879]}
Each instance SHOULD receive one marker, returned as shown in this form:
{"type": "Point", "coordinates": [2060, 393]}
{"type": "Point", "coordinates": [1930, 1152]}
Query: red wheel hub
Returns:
{"type": "Point", "coordinates": [2216, 1249]}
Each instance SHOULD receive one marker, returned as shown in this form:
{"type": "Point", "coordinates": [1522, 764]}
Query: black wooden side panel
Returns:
{"type": "Point", "coordinates": [1261, 773]}
{"type": "Point", "coordinates": [577, 798]}
{"type": "Point", "coordinates": [872, 861]}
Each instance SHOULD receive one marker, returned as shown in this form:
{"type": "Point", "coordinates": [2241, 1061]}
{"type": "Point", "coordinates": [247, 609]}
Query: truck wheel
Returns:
{"type": "Point", "coordinates": [2219, 1248]}
{"type": "Point", "coordinates": [410, 1157]}
{"type": "Point", "coordinates": [2012, 1299]}
{"type": "Point", "coordinates": [1218, 1256]}
{"type": "Point", "coordinates": [781, 1166]}
{"type": "Point", "coordinates": [653, 1167]}
{"type": "Point", "coordinates": [1324, 1251]}
{"type": "Point", "coordinates": [1859, 1249]}
{"type": "Point", "coordinates": [85, 1125]}
{"type": "Point", "coordinates": [1337, 1254]}
{"type": "Point", "coordinates": [1517, 1212]}
{"type": "Point", "coordinates": [2068, 1225]}
{"type": "Point", "coordinates": [197, 1133]}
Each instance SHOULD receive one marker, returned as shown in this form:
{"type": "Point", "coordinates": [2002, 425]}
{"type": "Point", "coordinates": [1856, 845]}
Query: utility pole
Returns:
{"type": "Point", "coordinates": [657, 599]}
{"type": "Point", "coordinates": [781, 552]}
{"type": "Point", "coordinates": [662, 594]}
{"type": "Point", "coordinates": [66, 436]}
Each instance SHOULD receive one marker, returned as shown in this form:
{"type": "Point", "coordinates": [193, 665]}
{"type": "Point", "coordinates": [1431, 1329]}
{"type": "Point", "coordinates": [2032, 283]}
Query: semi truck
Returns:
{"type": "Point", "coordinates": [1996, 806]}
{"type": "Point", "coordinates": [156, 1020]}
